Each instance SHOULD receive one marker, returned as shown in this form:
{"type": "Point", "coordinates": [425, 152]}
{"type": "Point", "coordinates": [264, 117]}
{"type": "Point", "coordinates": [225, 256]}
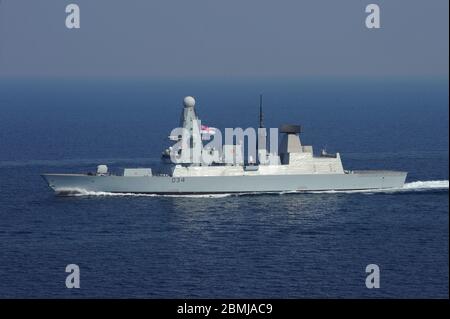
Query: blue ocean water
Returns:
{"type": "Point", "coordinates": [269, 245]}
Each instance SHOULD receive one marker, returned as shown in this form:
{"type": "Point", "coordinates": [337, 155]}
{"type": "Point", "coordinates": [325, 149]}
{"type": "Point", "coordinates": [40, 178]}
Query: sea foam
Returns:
{"type": "Point", "coordinates": [417, 186]}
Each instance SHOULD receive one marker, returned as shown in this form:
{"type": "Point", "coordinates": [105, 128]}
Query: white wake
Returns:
{"type": "Point", "coordinates": [426, 185]}
{"type": "Point", "coordinates": [418, 186]}
{"type": "Point", "coordinates": [82, 192]}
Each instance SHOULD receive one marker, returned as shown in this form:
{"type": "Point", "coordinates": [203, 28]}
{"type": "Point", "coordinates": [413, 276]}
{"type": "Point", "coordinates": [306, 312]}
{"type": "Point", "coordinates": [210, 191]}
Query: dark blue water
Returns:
{"type": "Point", "coordinates": [291, 245]}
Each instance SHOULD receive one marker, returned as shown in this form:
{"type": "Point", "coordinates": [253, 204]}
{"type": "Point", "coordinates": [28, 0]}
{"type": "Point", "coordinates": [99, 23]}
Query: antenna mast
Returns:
{"type": "Point", "coordinates": [261, 116]}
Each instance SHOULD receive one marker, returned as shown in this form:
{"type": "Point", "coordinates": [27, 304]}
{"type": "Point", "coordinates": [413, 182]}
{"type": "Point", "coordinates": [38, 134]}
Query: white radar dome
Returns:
{"type": "Point", "coordinates": [189, 101]}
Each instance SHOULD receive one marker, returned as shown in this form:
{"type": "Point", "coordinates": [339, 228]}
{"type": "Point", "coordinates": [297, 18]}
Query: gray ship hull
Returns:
{"type": "Point", "coordinates": [358, 180]}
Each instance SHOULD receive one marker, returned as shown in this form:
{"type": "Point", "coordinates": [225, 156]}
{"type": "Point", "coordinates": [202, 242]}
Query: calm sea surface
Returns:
{"type": "Point", "coordinates": [269, 245]}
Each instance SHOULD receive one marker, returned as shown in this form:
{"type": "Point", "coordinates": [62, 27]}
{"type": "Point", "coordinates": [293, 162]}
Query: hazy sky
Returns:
{"type": "Point", "coordinates": [224, 38]}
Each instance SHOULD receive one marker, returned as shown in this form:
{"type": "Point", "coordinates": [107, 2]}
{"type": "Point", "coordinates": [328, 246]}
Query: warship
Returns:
{"type": "Point", "coordinates": [292, 168]}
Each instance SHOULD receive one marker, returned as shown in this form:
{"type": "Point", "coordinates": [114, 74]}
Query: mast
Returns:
{"type": "Point", "coordinates": [261, 116]}
{"type": "Point", "coordinates": [261, 143]}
